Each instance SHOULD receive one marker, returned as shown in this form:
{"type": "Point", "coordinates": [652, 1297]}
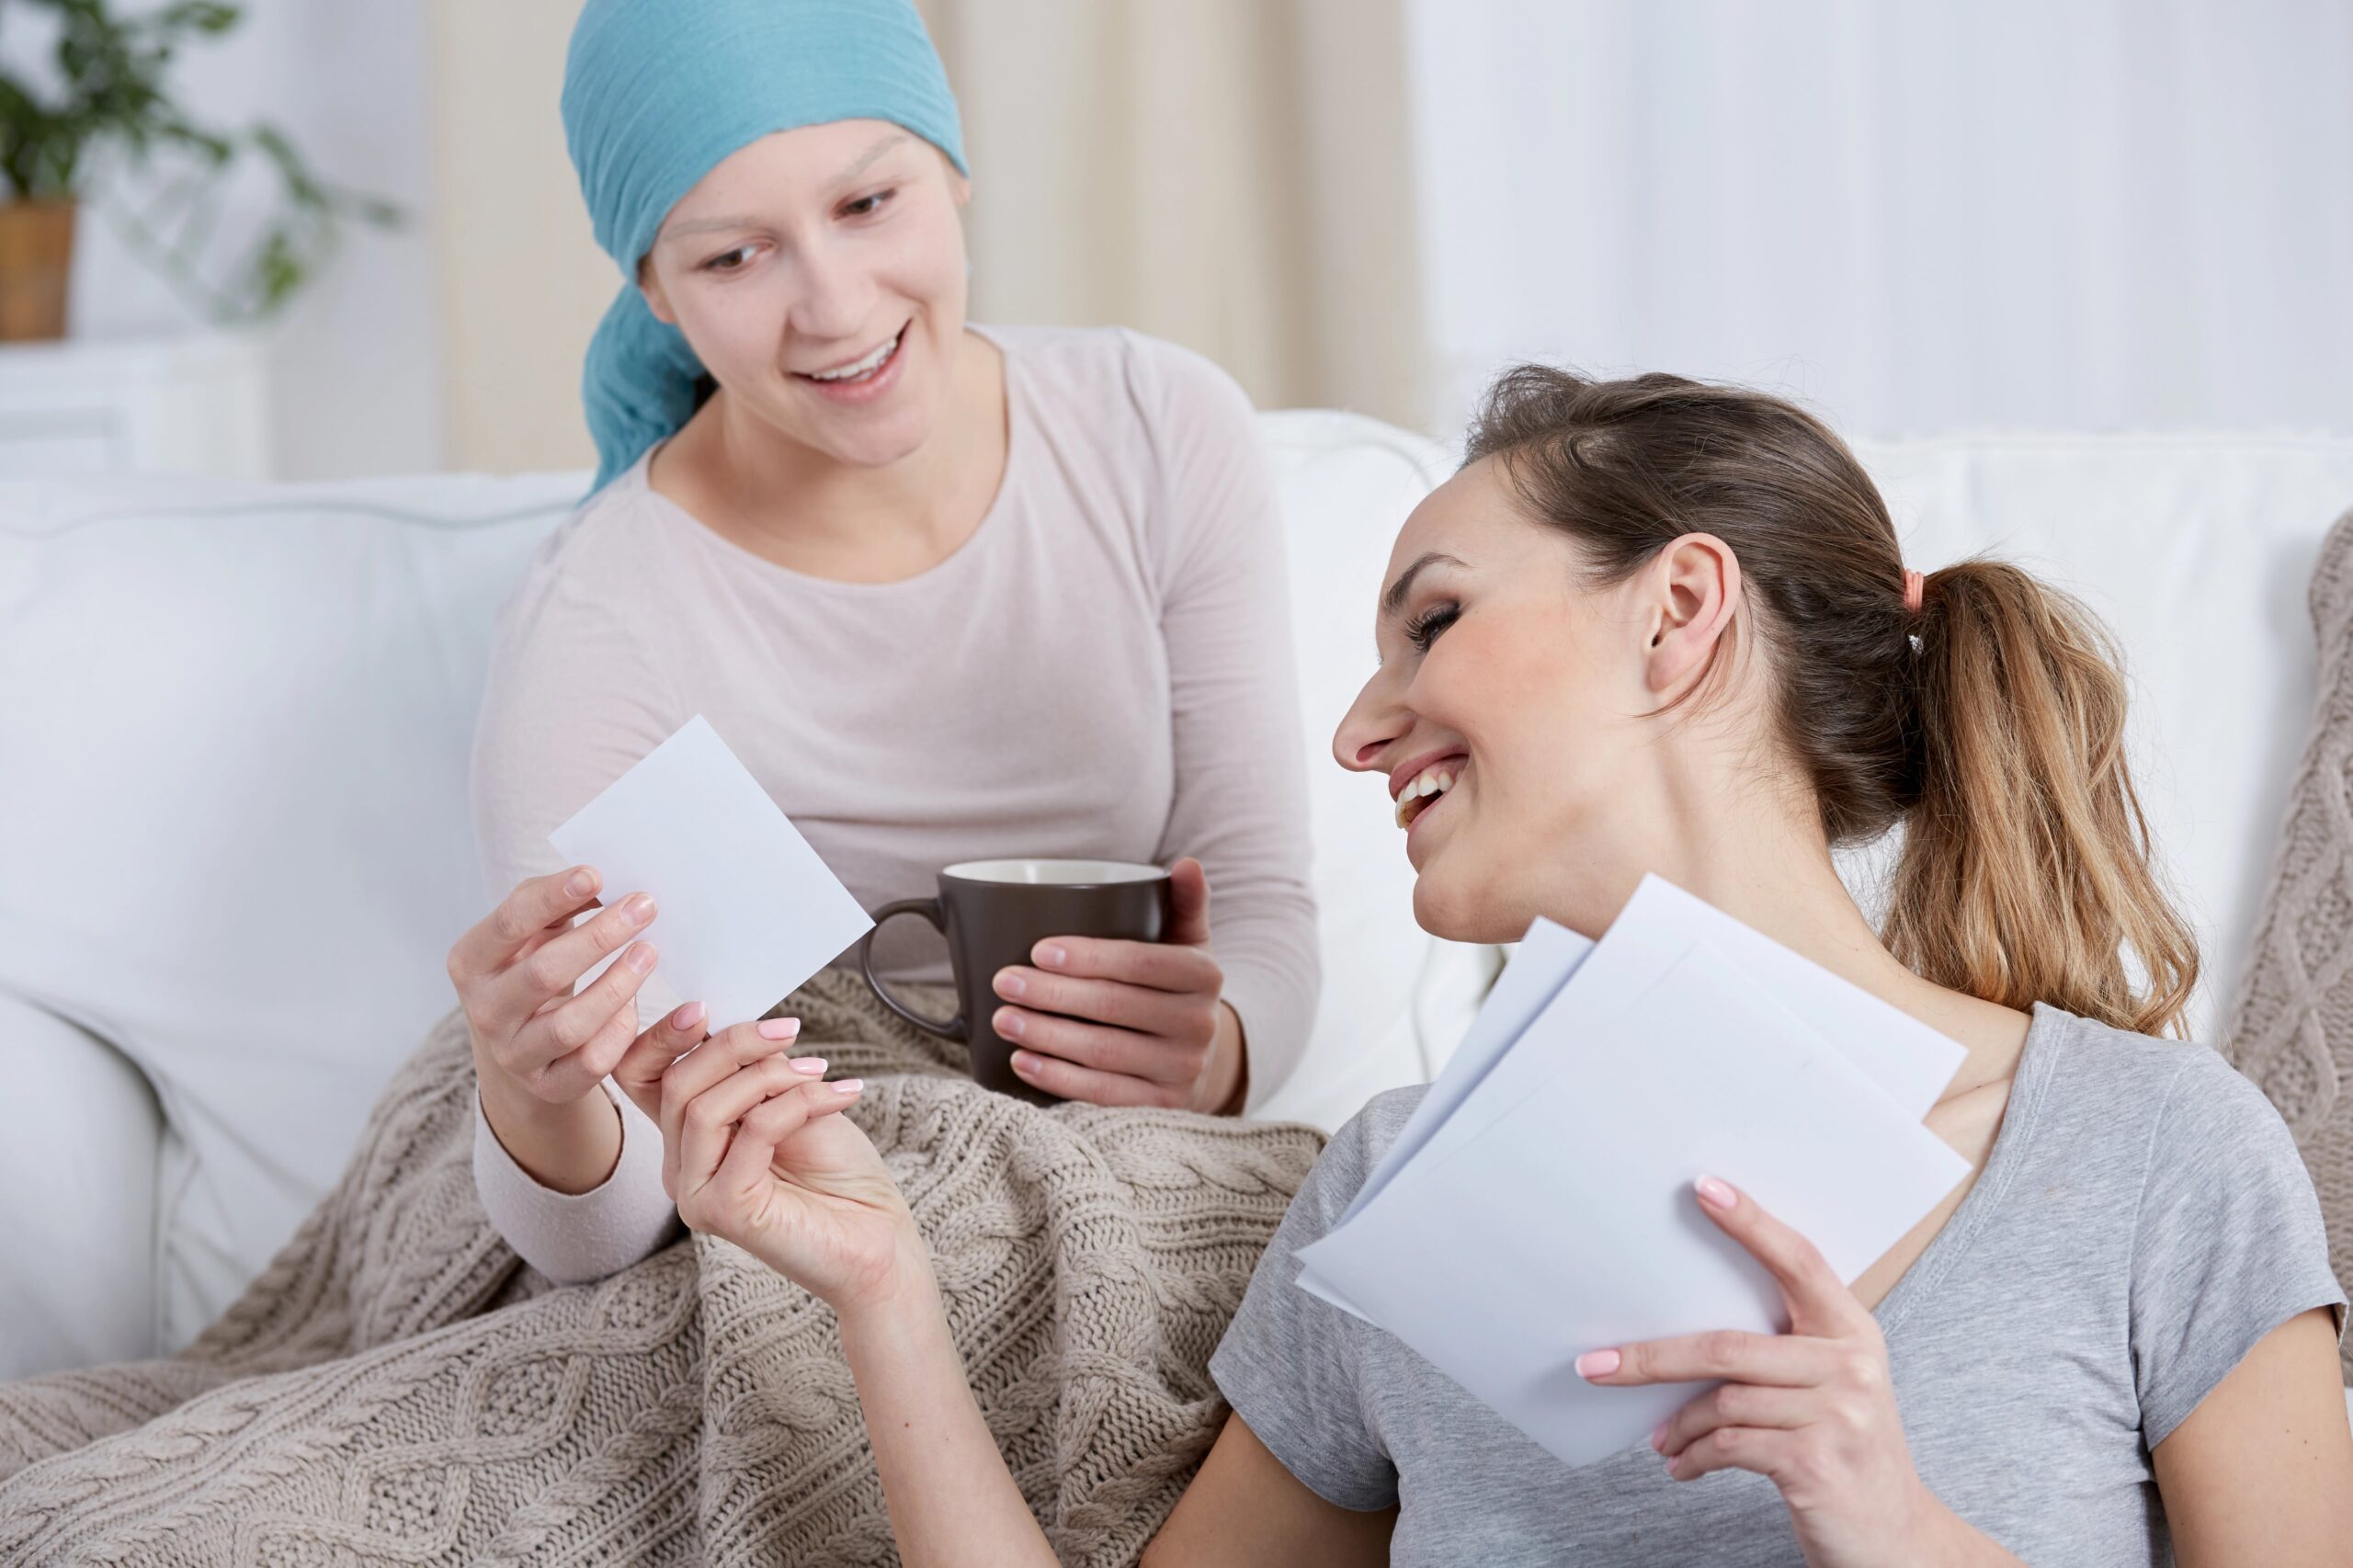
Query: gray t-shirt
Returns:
{"type": "Point", "coordinates": [2142, 1222]}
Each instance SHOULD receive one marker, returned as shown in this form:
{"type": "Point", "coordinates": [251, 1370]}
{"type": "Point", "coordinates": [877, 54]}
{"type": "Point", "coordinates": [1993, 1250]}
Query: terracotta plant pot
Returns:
{"type": "Point", "coordinates": [36, 254]}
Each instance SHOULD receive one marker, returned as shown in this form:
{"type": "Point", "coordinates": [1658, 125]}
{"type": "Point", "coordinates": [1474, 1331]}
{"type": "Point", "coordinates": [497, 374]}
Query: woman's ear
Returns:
{"type": "Point", "coordinates": [656, 300]}
{"type": "Point", "coordinates": [1691, 589]}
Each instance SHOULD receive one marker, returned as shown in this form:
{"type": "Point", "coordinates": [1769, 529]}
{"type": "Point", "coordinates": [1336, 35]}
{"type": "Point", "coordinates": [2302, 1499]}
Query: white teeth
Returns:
{"type": "Point", "coordinates": [1435, 782]}
{"type": "Point", "coordinates": [865, 367]}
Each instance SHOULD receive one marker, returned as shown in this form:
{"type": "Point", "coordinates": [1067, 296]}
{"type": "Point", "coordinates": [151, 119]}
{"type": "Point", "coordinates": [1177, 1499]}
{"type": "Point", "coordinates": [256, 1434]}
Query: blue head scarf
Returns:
{"type": "Point", "coordinates": [656, 92]}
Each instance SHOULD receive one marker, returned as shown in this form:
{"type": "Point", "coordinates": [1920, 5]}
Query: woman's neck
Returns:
{"type": "Point", "coordinates": [806, 510]}
{"type": "Point", "coordinates": [1758, 854]}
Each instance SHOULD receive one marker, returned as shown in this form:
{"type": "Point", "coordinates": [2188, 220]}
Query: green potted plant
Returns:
{"type": "Point", "coordinates": [103, 105]}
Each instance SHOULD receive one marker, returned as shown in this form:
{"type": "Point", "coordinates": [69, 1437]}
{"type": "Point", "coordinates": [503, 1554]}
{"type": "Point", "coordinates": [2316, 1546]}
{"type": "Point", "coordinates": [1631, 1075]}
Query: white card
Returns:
{"type": "Point", "coordinates": [744, 910]}
{"type": "Point", "coordinates": [1570, 1223]}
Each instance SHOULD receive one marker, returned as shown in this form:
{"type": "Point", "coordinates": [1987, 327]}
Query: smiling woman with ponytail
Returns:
{"type": "Point", "coordinates": [1660, 626]}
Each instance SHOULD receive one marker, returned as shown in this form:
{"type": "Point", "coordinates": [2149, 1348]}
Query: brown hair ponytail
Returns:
{"type": "Point", "coordinates": [1989, 723]}
{"type": "Point", "coordinates": [2027, 872]}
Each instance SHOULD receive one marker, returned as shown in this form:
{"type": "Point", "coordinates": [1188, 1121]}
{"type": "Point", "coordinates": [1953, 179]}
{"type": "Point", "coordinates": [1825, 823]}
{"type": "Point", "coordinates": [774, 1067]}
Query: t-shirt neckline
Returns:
{"type": "Point", "coordinates": [945, 570]}
{"type": "Point", "coordinates": [2021, 1115]}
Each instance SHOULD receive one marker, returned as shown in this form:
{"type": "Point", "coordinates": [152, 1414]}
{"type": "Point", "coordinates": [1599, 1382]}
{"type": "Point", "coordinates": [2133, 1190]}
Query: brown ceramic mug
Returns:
{"type": "Point", "coordinates": [993, 913]}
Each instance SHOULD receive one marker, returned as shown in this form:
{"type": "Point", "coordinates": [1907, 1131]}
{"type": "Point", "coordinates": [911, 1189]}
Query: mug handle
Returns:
{"type": "Point", "coordinates": [953, 1029]}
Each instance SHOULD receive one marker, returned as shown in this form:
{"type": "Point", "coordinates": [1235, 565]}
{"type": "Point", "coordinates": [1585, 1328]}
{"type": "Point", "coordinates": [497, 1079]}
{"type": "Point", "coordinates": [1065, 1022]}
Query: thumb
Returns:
{"type": "Point", "coordinates": [639, 1069]}
{"type": "Point", "coordinates": [1189, 900]}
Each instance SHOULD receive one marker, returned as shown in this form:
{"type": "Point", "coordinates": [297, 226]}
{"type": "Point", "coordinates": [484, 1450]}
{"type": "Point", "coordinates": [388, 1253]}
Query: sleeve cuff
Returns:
{"type": "Point", "coordinates": [575, 1238]}
{"type": "Point", "coordinates": [1275, 1017]}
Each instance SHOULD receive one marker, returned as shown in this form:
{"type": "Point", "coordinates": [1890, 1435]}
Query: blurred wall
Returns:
{"type": "Point", "coordinates": [356, 378]}
{"type": "Point", "coordinates": [521, 280]}
{"type": "Point", "coordinates": [1945, 213]}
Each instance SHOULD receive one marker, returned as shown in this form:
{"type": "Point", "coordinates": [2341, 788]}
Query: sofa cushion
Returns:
{"type": "Point", "coordinates": [2293, 1030]}
{"type": "Point", "coordinates": [78, 1146]}
{"type": "Point", "coordinates": [237, 832]}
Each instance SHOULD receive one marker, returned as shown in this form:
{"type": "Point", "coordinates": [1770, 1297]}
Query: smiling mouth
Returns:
{"type": "Point", "coordinates": [1426, 788]}
{"type": "Point", "coordinates": [861, 369]}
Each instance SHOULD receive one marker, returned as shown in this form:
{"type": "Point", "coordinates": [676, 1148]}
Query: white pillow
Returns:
{"type": "Point", "coordinates": [235, 826]}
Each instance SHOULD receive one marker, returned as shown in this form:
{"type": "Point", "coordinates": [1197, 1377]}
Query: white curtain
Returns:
{"type": "Point", "coordinates": [1918, 214]}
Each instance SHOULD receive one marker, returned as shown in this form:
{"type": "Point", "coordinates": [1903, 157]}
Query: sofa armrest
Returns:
{"type": "Point", "coordinates": [80, 1135]}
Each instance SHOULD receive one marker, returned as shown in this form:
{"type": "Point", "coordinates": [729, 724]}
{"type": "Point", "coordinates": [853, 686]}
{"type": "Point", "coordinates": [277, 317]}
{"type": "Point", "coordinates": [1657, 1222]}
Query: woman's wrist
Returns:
{"type": "Point", "coordinates": [570, 1147]}
{"type": "Point", "coordinates": [1944, 1540]}
{"type": "Point", "coordinates": [901, 1297]}
{"type": "Point", "coordinates": [1226, 1087]}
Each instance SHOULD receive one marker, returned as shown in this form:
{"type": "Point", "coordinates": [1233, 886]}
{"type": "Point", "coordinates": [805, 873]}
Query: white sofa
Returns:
{"type": "Point", "coordinates": [234, 845]}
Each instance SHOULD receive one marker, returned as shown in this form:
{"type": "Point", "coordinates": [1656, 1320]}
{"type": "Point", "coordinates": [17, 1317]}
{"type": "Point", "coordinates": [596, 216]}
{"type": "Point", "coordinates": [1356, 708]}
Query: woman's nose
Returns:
{"type": "Point", "coordinates": [833, 295]}
{"type": "Point", "coordinates": [1366, 731]}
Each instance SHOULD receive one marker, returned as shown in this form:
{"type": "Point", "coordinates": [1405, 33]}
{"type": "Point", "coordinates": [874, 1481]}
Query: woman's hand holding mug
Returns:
{"type": "Point", "coordinates": [1813, 1410]}
{"type": "Point", "coordinates": [1128, 1023]}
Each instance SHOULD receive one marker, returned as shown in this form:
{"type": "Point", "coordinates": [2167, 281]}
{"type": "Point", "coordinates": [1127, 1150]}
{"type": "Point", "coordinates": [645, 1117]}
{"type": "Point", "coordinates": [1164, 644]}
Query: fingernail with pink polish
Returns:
{"type": "Point", "coordinates": [1716, 1194]}
{"type": "Point", "coordinates": [1052, 956]}
{"type": "Point", "coordinates": [1658, 1438]}
{"type": "Point", "coordinates": [813, 1065]}
{"type": "Point", "coordinates": [849, 1086]}
{"type": "Point", "coordinates": [641, 959]}
{"type": "Point", "coordinates": [780, 1028]}
{"type": "Point", "coordinates": [1597, 1363]}
{"type": "Point", "coordinates": [580, 882]}
{"type": "Point", "coordinates": [687, 1015]}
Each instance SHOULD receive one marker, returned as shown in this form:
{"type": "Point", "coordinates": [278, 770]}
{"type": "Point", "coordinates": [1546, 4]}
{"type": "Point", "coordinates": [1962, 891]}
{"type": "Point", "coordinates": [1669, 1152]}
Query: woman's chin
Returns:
{"type": "Point", "coordinates": [1440, 912]}
{"type": "Point", "coordinates": [1464, 908]}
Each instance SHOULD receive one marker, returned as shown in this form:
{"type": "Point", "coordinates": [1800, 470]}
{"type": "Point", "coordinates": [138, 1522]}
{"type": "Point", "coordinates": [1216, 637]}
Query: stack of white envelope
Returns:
{"type": "Point", "coordinates": [1539, 1202]}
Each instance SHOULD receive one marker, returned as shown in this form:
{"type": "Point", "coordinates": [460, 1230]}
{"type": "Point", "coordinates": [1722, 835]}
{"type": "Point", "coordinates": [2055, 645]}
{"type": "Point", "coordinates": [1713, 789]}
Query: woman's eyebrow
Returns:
{"type": "Point", "coordinates": [889, 140]}
{"type": "Point", "coordinates": [713, 225]}
{"type": "Point", "coordinates": [702, 226]}
{"type": "Point", "coordinates": [1392, 603]}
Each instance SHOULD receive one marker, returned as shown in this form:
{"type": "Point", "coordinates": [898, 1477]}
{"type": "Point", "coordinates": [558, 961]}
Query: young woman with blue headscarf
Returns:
{"type": "Point", "coordinates": [951, 593]}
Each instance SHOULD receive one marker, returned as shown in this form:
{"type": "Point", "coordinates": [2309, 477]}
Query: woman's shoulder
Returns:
{"type": "Point", "coordinates": [2166, 1088]}
{"type": "Point", "coordinates": [2149, 1115]}
{"type": "Point", "coordinates": [1118, 371]}
{"type": "Point", "coordinates": [1348, 1160]}
{"type": "Point", "coordinates": [604, 557]}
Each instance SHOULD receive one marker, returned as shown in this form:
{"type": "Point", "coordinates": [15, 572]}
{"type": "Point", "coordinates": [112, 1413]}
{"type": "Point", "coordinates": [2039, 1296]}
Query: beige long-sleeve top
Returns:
{"type": "Point", "coordinates": [1103, 670]}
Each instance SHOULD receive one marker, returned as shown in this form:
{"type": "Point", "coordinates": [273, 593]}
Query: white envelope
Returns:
{"type": "Point", "coordinates": [1905, 1057]}
{"type": "Point", "coordinates": [1570, 1223]}
{"type": "Point", "coordinates": [1542, 963]}
{"type": "Point", "coordinates": [1545, 958]}
{"type": "Point", "coordinates": [744, 910]}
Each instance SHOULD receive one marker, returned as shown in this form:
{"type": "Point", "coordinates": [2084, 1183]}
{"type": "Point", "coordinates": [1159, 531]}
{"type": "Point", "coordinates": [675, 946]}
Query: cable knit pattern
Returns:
{"type": "Point", "coordinates": [2293, 1032]}
{"type": "Point", "coordinates": [398, 1388]}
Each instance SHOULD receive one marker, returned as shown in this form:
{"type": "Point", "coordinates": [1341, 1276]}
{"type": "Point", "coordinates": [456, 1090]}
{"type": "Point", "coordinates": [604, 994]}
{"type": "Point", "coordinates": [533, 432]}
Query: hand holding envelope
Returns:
{"type": "Point", "coordinates": [1538, 1203]}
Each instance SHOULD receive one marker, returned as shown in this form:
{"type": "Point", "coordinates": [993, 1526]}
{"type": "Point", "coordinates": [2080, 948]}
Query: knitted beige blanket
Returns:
{"type": "Point", "coordinates": [397, 1388]}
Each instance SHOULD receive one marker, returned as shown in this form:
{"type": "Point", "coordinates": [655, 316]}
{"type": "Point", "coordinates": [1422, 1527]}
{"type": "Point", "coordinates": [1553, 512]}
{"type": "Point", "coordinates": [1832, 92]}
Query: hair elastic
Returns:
{"type": "Point", "coordinates": [1915, 586]}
